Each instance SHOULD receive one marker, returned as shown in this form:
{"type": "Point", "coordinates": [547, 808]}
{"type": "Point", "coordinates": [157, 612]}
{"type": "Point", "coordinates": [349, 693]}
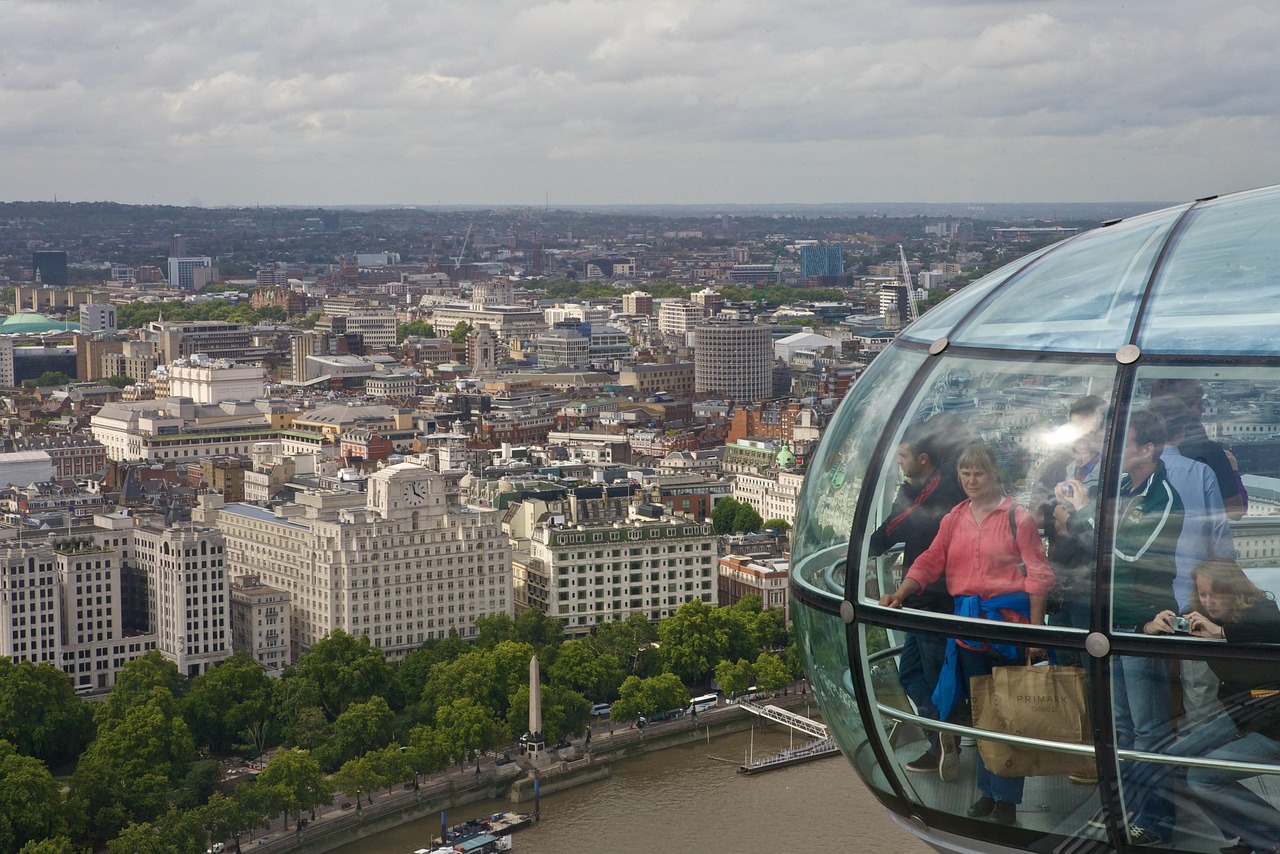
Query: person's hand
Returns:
{"type": "Point", "coordinates": [1072, 492]}
{"type": "Point", "coordinates": [1061, 516]}
{"type": "Point", "coordinates": [891, 600]}
{"type": "Point", "coordinates": [1160, 624]}
{"type": "Point", "coordinates": [1203, 627]}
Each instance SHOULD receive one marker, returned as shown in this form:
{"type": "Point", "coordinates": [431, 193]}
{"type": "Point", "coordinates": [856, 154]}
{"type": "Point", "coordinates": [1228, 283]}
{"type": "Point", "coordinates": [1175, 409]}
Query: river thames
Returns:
{"type": "Point", "coordinates": [682, 800]}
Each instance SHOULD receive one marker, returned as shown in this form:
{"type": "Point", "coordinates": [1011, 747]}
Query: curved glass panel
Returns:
{"type": "Point", "coordinates": [942, 318]}
{"type": "Point", "coordinates": [834, 480]}
{"type": "Point", "coordinates": [941, 774]}
{"type": "Point", "coordinates": [1221, 269]}
{"type": "Point", "coordinates": [1044, 423]}
{"type": "Point", "coordinates": [1082, 297]}
{"type": "Point", "coordinates": [1189, 786]}
{"type": "Point", "coordinates": [822, 646]}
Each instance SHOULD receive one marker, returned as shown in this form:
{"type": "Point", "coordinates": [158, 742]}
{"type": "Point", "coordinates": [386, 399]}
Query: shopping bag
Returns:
{"type": "Point", "coordinates": [1036, 702]}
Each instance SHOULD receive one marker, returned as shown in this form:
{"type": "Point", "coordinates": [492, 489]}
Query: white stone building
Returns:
{"type": "Point", "coordinates": [260, 617]}
{"type": "Point", "coordinates": [206, 380]}
{"type": "Point", "coordinates": [405, 563]}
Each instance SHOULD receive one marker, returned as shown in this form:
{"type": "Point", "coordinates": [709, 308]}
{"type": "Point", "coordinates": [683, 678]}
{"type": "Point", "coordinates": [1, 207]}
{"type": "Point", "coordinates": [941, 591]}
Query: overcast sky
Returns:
{"type": "Point", "coordinates": [215, 102]}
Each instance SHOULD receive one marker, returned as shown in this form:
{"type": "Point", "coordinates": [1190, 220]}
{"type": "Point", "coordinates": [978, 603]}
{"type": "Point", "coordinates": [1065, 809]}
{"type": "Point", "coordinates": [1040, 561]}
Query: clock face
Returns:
{"type": "Point", "coordinates": [413, 493]}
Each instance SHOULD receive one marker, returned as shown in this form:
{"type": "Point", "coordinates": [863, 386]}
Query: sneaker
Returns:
{"type": "Point", "coordinates": [1142, 836]}
{"type": "Point", "coordinates": [981, 808]}
{"type": "Point", "coordinates": [1004, 813]}
{"type": "Point", "coordinates": [1237, 847]}
{"type": "Point", "coordinates": [948, 758]}
{"type": "Point", "coordinates": [927, 761]}
{"type": "Point", "coordinates": [968, 741]}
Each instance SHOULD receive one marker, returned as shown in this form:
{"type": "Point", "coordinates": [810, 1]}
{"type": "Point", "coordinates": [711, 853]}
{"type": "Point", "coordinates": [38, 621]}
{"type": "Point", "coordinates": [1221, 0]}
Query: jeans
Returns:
{"type": "Point", "coordinates": [1234, 808]}
{"type": "Point", "coordinates": [1006, 789]}
{"type": "Point", "coordinates": [1140, 687]}
{"type": "Point", "coordinates": [918, 669]}
{"type": "Point", "coordinates": [1074, 614]}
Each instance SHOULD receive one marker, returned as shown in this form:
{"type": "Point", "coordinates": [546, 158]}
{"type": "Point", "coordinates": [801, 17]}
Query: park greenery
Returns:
{"type": "Point", "coordinates": [138, 314]}
{"type": "Point", "coordinates": [143, 763]}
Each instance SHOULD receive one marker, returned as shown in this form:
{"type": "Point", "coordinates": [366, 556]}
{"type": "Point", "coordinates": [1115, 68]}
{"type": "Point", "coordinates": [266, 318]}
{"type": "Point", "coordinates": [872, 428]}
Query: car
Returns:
{"type": "Point", "coordinates": [216, 848]}
{"type": "Point", "coordinates": [601, 710]}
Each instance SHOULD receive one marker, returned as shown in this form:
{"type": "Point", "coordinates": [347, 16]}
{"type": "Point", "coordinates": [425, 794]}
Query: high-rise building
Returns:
{"type": "Point", "coordinates": [182, 272]}
{"type": "Point", "coordinates": [637, 302]}
{"type": "Point", "coordinates": [185, 570]}
{"type": "Point", "coordinates": [97, 317]}
{"type": "Point", "coordinates": [823, 259]}
{"type": "Point", "coordinates": [404, 563]}
{"type": "Point", "coordinates": [260, 618]}
{"type": "Point", "coordinates": [733, 360]}
{"type": "Point", "coordinates": [49, 267]}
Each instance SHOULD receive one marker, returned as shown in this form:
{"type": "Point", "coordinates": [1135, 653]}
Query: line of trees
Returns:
{"type": "Point", "coordinates": [146, 778]}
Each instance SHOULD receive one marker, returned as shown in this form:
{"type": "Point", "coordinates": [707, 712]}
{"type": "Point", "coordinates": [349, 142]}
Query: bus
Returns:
{"type": "Point", "coordinates": [701, 704]}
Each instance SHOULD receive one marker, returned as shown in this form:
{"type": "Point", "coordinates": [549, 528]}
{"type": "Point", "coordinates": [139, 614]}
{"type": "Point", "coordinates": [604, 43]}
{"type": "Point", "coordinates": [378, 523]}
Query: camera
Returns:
{"type": "Point", "coordinates": [1182, 625]}
{"type": "Point", "coordinates": [1068, 490]}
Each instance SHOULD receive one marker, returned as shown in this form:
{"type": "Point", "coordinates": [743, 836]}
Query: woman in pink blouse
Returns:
{"type": "Point", "coordinates": [995, 567]}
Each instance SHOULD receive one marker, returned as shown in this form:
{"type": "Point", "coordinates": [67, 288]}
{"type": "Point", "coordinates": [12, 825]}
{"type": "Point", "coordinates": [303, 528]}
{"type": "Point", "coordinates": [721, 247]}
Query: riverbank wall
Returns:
{"type": "Point", "coordinates": [339, 827]}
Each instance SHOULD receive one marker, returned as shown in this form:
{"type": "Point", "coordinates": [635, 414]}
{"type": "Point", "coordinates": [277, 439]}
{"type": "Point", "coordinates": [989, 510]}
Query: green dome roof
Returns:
{"type": "Point", "coordinates": [29, 321]}
{"type": "Point", "coordinates": [786, 459]}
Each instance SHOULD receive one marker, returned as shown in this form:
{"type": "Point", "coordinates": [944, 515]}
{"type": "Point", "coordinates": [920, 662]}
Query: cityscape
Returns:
{"type": "Point", "coordinates": [437, 429]}
{"type": "Point", "coordinates": [248, 460]}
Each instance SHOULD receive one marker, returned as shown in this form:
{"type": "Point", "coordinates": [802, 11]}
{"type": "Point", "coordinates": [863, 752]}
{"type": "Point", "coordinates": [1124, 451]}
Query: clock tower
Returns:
{"type": "Point", "coordinates": [401, 490]}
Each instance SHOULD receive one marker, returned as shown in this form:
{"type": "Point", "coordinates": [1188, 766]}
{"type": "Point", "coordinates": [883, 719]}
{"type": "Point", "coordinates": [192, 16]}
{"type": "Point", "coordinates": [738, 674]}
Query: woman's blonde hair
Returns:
{"type": "Point", "coordinates": [978, 457]}
{"type": "Point", "coordinates": [1228, 580]}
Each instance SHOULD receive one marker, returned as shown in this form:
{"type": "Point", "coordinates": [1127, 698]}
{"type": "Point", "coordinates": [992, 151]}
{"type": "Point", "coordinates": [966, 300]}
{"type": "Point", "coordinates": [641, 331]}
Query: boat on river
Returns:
{"type": "Point", "coordinates": [483, 843]}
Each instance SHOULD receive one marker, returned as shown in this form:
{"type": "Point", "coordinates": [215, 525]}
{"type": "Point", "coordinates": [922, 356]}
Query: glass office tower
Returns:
{"type": "Point", "coordinates": [1055, 363]}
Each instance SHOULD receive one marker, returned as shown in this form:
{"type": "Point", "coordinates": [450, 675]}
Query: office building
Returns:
{"type": "Point", "coordinates": [190, 274]}
{"type": "Point", "coordinates": [206, 380]}
{"type": "Point", "coordinates": [637, 302]}
{"type": "Point", "coordinates": [49, 267]}
{"type": "Point", "coordinates": [404, 563]}
{"type": "Point", "coordinates": [733, 361]}
{"type": "Point", "coordinates": [260, 617]}
{"type": "Point", "coordinates": [97, 317]}
{"type": "Point", "coordinates": [823, 259]}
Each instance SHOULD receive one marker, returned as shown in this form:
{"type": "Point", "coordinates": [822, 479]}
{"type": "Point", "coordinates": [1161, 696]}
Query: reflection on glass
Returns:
{"type": "Point", "coordinates": [1219, 271]}
{"type": "Point", "coordinates": [942, 318]}
{"type": "Point", "coordinates": [826, 503]}
{"type": "Point", "coordinates": [1090, 291]}
{"type": "Point", "coordinates": [1043, 423]}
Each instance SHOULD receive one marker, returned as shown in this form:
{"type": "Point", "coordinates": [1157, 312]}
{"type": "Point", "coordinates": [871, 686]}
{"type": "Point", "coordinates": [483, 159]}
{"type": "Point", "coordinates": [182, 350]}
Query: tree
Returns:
{"type": "Point", "coordinates": [119, 381]}
{"type": "Point", "coordinates": [40, 713]}
{"type": "Point", "coordinates": [129, 769]}
{"type": "Point", "coordinates": [428, 752]}
{"type": "Point", "coordinates": [54, 845]}
{"type": "Point", "coordinates": [357, 777]}
{"type": "Point", "coordinates": [472, 677]}
{"type": "Point", "coordinates": [49, 378]}
{"type": "Point", "coordinates": [30, 800]}
{"type": "Point", "coordinates": [578, 668]}
{"type": "Point", "coordinates": [649, 696]}
{"type": "Point", "coordinates": [466, 727]}
{"type": "Point", "coordinates": [230, 705]}
{"type": "Point", "coordinates": [692, 644]}
{"type": "Point", "coordinates": [772, 672]}
{"type": "Point", "coordinates": [734, 677]}
{"type": "Point", "coordinates": [630, 641]}
{"type": "Point", "coordinates": [230, 817]}
{"type": "Point", "coordinates": [460, 332]}
{"type": "Point", "coordinates": [361, 728]}
{"type": "Point", "coordinates": [390, 765]}
{"type": "Point", "coordinates": [492, 629]}
{"type": "Point", "coordinates": [293, 782]}
{"type": "Point", "coordinates": [198, 784]}
{"type": "Point", "coordinates": [345, 669]}
{"type": "Point", "coordinates": [415, 328]}
{"type": "Point", "coordinates": [309, 321]}
{"type": "Point", "coordinates": [747, 519]}
{"type": "Point", "coordinates": [776, 524]}
{"type": "Point", "coordinates": [723, 515]}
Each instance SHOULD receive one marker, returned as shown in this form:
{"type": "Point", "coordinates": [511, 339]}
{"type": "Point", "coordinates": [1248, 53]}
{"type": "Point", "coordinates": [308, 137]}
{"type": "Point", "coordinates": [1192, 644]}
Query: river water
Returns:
{"type": "Point", "coordinates": [681, 800]}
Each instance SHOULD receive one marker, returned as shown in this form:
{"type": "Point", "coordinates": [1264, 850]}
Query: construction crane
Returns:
{"type": "Point", "coordinates": [457, 261]}
{"type": "Point", "coordinates": [906, 282]}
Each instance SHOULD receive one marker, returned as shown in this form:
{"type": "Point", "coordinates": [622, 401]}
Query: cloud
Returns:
{"type": "Point", "coordinates": [597, 101]}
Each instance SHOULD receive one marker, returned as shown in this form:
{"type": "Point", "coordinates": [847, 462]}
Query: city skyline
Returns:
{"type": "Point", "coordinates": [595, 103]}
